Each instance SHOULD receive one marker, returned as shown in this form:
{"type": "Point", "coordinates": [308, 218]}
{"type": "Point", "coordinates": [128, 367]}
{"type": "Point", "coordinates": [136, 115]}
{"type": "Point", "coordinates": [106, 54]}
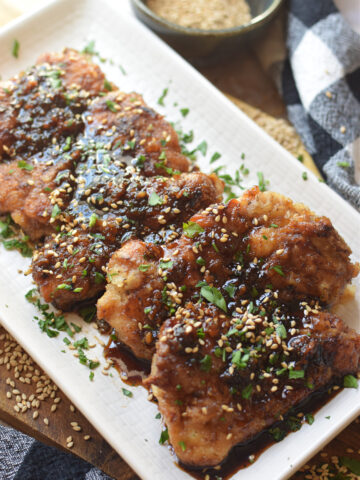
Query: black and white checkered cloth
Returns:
{"type": "Point", "coordinates": [321, 87]}
{"type": "Point", "coordinates": [23, 458]}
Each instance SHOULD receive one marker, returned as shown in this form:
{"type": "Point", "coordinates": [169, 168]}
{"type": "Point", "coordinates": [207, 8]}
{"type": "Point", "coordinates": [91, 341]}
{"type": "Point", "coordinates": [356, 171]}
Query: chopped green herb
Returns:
{"type": "Point", "coordinates": [214, 296]}
{"type": "Point", "coordinates": [99, 278]}
{"type": "Point", "coordinates": [205, 363]}
{"type": "Point", "coordinates": [304, 176]}
{"type": "Point", "coordinates": [77, 289]}
{"type": "Point", "coordinates": [66, 341]}
{"type": "Point", "coordinates": [262, 182]}
{"type": "Point", "coordinates": [296, 374]}
{"type": "Point", "coordinates": [166, 265]}
{"type": "Point", "coordinates": [182, 445]}
{"type": "Point", "coordinates": [88, 313]}
{"type": "Point", "coordinates": [350, 381]}
{"type": "Point", "coordinates": [230, 289]}
{"type": "Point", "coordinates": [55, 211]}
{"type": "Point", "coordinates": [25, 166]}
{"type": "Point", "coordinates": [164, 437]}
{"type": "Point", "coordinates": [215, 247]}
{"type": "Point", "coordinates": [64, 286]}
{"type": "Point", "coordinates": [155, 199]}
{"type": "Point", "coordinates": [200, 261]}
{"type": "Point", "coordinates": [127, 392]}
{"type": "Point", "coordinates": [278, 269]}
{"type": "Point", "coordinates": [281, 330]}
{"type": "Point", "coordinates": [343, 164]}
{"type": "Point", "coordinates": [273, 225]}
{"type": "Point", "coordinates": [111, 106]}
{"type": "Point", "coordinates": [200, 333]}
{"type": "Point", "coordinates": [82, 343]}
{"type": "Point", "coordinates": [162, 97]}
{"type": "Point", "coordinates": [192, 229]}
{"type": "Point", "coordinates": [107, 85]}
{"type": "Point", "coordinates": [277, 434]}
{"type": "Point", "coordinates": [310, 418]}
{"type": "Point", "coordinates": [158, 416]}
{"type": "Point", "coordinates": [247, 391]}
{"type": "Point", "coordinates": [91, 376]}
{"type": "Point", "coordinates": [215, 157]}
{"type": "Point", "coordinates": [147, 310]}
{"type": "Point", "coordinates": [184, 111]}
{"type": "Point", "coordinates": [202, 147]}
{"type": "Point", "coordinates": [93, 219]}
{"type": "Point", "coordinates": [90, 48]}
{"type": "Point", "coordinates": [15, 49]}
{"type": "Point", "coordinates": [144, 267]}
{"type": "Point", "coordinates": [300, 158]}
{"type": "Point", "coordinates": [240, 360]}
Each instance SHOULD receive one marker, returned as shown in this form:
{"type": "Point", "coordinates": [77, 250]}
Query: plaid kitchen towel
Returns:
{"type": "Point", "coordinates": [23, 458]}
{"type": "Point", "coordinates": [321, 87]}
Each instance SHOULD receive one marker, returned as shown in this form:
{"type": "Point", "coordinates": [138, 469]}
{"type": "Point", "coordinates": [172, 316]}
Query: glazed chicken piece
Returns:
{"type": "Point", "coordinates": [222, 380]}
{"type": "Point", "coordinates": [44, 104]}
{"type": "Point", "coordinates": [106, 211]}
{"type": "Point", "coordinates": [227, 253]}
{"type": "Point", "coordinates": [40, 115]}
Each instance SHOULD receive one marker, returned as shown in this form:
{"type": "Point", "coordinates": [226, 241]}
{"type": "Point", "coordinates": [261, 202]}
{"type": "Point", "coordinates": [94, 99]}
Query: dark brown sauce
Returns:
{"type": "Point", "coordinates": [131, 370]}
{"type": "Point", "coordinates": [243, 455]}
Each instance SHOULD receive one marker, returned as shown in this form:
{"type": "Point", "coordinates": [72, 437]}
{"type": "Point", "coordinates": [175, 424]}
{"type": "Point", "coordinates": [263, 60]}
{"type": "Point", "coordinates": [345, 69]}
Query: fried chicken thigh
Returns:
{"type": "Point", "coordinates": [236, 309]}
{"type": "Point", "coordinates": [259, 241]}
{"type": "Point", "coordinates": [40, 115]}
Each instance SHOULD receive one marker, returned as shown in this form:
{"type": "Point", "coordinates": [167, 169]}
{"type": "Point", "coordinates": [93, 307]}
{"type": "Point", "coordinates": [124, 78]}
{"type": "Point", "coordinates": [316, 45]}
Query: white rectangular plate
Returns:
{"type": "Point", "coordinates": [129, 424]}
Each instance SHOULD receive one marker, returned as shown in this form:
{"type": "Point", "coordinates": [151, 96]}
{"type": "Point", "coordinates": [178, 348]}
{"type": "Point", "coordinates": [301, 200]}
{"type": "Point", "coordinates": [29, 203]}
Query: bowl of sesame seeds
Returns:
{"type": "Point", "coordinates": [206, 29]}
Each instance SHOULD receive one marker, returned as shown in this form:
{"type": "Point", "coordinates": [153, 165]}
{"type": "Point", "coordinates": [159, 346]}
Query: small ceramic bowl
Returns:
{"type": "Point", "coordinates": [195, 43]}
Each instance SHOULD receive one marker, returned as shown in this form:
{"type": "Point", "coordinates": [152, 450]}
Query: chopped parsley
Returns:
{"type": "Point", "coordinates": [55, 211]}
{"type": "Point", "coordinates": [310, 418]}
{"type": "Point", "coordinates": [25, 166]}
{"type": "Point", "coordinates": [127, 392]}
{"type": "Point", "coordinates": [93, 219]}
{"type": "Point", "coordinates": [155, 199]}
{"type": "Point", "coordinates": [262, 182]}
{"type": "Point", "coordinates": [182, 445]}
{"type": "Point", "coordinates": [247, 391]}
{"type": "Point", "coordinates": [215, 157]}
{"type": "Point", "coordinates": [278, 269]}
{"type": "Point", "coordinates": [15, 49]}
{"type": "Point", "coordinates": [230, 289]}
{"type": "Point", "coordinates": [214, 296]}
{"type": "Point", "coordinates": [192, 229]}
{"type": "Point", "coordinates": [144, 267]}
{"type": "Point", "coordinates": [205, 363]}
{"type": "Point", "coordinates": [202, 147]}
{"type": "Point", "coordinates": [111, 106]}
{"type": "Point", "coordinates": [350, 381]}
{"type": "Point", "coordinates": [184, 111]}
{"type": "Point", "coordinates": [162, 97]}
{"type": "Point", "coordinates": [296, 374]}
{"type": "Point", "coordinates": [304, 176]}
{"type": "Point", "coordinates": [165, 265]}
{"type": "Point", "coordinates": [343, 164]}
{"type": "Point", "coordinates": [164, 437]}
